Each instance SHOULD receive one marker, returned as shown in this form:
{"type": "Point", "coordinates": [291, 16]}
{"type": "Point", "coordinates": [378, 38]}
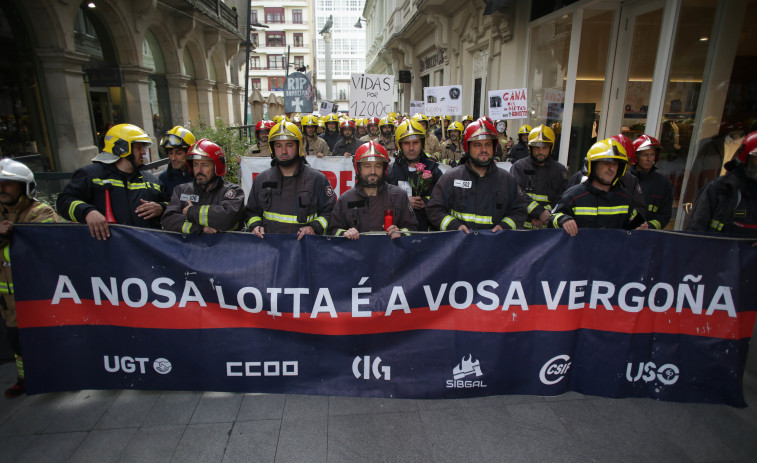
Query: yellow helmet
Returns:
{"type": "Point", "coordinates": [285, 131]}
{"type": "Point", "coordinates": [456, 126]}
{"type": "Point", "coordinates": [525, 129]}
{"type": "Point", "coordinates": [178, 137]}
{"type": "Point", "coordinates": [542, 134]}
{"type": "Point", "coordinates": [607, 150]}
{"type": "Point", "coordinates": [410, 130]}
{"type": "Point", "coordinates": [119, 140]}
{"type": "Point", "coordinates": [360, 122]}
{"type": "Point", "coordinates": [468, 118]}
{"type": "Point", "coordinates": [331, 118]}
{"type": "Point", "coordinates": [309, 120]}
{"type": "Point", "coordinates": [418, 117]}
{"type": "Point", "coordinates": [386, 121]}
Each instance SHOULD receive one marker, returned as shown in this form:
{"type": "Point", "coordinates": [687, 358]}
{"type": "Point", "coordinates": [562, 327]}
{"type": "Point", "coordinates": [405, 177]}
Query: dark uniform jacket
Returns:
{"type": "Point", "coordinates": [285, 204]}
{"type": "Point", "coordinates": [331, 138]}
{"type": "Point", "coordinates": [462, 197]}
{"type": "Point", "coordinates": [658, 194]}
{"type": "Point", "coordinates": [591, 207]}
{"type": "Point", "coordinates": [86, 192]}
{"type": "Point", "coordinates": [172, 177]}
{"type": "Point", "coordinates": [340, 147]}
{"type": "Point", "coordinates": [399, 172]}
{"type": "Point", "coordinates": [355, 209]}
{"type": "Point", "coordinates": [728, 204]}
{"type": "Point", "coordinates": [518, 152]}
{"type": "Point", "coordinates": [221, 207]}
{"type": "Point", "coordinates": [543, 184]}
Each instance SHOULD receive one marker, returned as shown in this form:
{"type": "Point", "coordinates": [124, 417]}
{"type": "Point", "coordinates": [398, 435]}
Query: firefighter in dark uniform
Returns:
{"type": "Point", "coordinates": [542, 178]}
{"type": "Point", "coordinates": [599, 201]}
{"type": "Point", "coordinates": [209, 204]}
{"type": "Point", "coordinates": [365, 207]}
{"type": "Point", "coordinates": [520, 150]}
{"type": "Point", "coordinates": [656, 188]}
{"type": "Point", "coordinates": [728, 204]}
{"type": "Point", "coordinates": [134, 196]}
{"type": "Point", "coordinates": [331, 135]}
{"type": "Point", "coordinates": [477, 195]}
{"type": "Point", "coordinates": [290, 197]}
{"type": "Point", "coordinates": [409, 169]}
{"type": "Point", "coordinates": [175, 143]}
{"type": "Point", "coordinates": [347, 144]}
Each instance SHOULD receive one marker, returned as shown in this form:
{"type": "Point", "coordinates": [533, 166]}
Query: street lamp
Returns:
{"type": "Point", "coordinates": [358, 25]}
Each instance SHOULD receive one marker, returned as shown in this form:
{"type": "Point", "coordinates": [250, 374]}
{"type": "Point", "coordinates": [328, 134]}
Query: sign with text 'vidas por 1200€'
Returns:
{"type": "Point", "coordinates": [298, 94]}
{"type": "Point", "coordinates": [370, 95]}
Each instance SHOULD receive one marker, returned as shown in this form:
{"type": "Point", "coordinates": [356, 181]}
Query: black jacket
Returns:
{"type": "Point", "coordinates": [340, 147]}
{"type": "Point", "coordinates": [355, 209]}
{"type": "Point", "coordinates": [399, 171]}
{"type": "Point", "coordinates": [658, 194]}
{"type": "Point", "coordinates": [172, 177]}
{"type": "Point", "coordinates": [518, 152]}
{"type": "Point", "coordinates": [543, 184]}
{"type": "Point", "coordinates": [221, 207]}
{"type": "Point", "coordinates": [591, 207]}
{"type": "Point", "coordinates": [331, 138]}
{"type": "Point", "coordinates": [728, 204]}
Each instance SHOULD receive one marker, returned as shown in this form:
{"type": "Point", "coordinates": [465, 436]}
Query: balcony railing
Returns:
{"type": "Point", "coordinates": [220, 10]}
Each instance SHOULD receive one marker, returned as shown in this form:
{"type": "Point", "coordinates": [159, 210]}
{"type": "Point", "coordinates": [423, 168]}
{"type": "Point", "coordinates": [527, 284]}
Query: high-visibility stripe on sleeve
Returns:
{"type": "Point", "coordinates": [72, 209]}
{"type": "Point", "coordinates": [186, 227]}
{"type": "Point", "coordinates": [509, 222]}
{"type": "Point", "coordinates": [655, 224]}
{"type": "Point", "coordinates": [204, 215]}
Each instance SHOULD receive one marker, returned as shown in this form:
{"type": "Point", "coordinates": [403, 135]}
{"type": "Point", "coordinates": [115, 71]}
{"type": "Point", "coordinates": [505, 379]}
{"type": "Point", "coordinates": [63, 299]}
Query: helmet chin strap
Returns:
{"type": "Point", "coordinates": [478, 163]}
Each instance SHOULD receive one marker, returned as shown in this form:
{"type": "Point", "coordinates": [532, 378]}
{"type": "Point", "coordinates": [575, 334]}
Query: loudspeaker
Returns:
{"type": "Point", "coordinates": [404, 77]}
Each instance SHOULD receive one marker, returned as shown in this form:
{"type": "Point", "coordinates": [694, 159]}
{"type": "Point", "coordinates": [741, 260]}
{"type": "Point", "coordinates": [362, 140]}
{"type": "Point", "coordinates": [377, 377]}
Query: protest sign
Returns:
{"type": "Point", "coordinates": [443, 101]}
{"type": "Point", "coordinates": [508, 104]}
{"type": "Point", "coordinates": [298, 94]}
{"type": "Point", "coordinates": [370, 95]}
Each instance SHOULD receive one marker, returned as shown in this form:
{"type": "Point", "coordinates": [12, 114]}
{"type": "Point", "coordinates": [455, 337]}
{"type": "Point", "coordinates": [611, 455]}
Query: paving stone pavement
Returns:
{"type": "Point", "coordinates": [145, 426]}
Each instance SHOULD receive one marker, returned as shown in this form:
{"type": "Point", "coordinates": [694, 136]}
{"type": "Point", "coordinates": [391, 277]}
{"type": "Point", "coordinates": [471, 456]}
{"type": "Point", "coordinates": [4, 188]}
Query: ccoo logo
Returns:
{"type": "Point", "coordinates": [555, 369]}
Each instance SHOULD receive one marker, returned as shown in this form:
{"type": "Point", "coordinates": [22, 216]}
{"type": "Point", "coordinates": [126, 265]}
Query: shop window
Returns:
{"type": "Point", "coordinates": [255, 83]}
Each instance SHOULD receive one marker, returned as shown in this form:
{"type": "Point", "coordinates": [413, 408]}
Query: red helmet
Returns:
{"type": "Point", "coordinates": [747, 148]}
{"type": "Point", "coordinates": [479, 130]}
{"type": "Point", "coordinates": [263, 125]}
{"type": "Point", "coordinates": [205, 148]}
{"type": "Point", "coordinates": [371, 151]}
{"type": "Point", "coordinates": [628, 145]}
{"type": "Point", "coordinates": [347, 123]}
{"type": "Point", "coordinates": [645, 142]}
{"type": "Point", "coordinates": [372, 120]}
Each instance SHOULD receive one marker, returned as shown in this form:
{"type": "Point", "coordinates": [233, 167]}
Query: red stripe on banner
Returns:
{"type": "Point", "coordinates": [33, 314]}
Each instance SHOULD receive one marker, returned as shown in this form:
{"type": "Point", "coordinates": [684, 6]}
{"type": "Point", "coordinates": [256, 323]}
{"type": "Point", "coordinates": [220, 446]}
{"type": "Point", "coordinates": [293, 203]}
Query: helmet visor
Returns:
{"type": "Point", "coordinates": [171, 141]}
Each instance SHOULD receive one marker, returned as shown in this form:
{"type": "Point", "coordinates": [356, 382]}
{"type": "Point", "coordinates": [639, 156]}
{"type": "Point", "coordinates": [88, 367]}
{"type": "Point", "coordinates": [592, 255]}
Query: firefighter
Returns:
{"type": "Point", "coordinates": [331, 135]}
{"type": "Point", "coordinates": [372, 124]}
{"type": "Point", "coordinates": [362, 130]}
{"type": "Point", "coordinates": [453, 146]}
{"type": "Point", "coordinates": [209, 204]}
{"type": "Point", "coordinates": [441, 132]}
{"type": "Point", "coordinates": [314, 145]}
{"type": "Point", "coordinates": [347, 144]}
{"type": "Point", "coordinates": [17, 205]}
{"type": "Point", "coordinates": [290, 197]}
{"type": "Point", "coordinates": [728, 204]}
{"type": "Point", "coordinates": [657, 189]}
{"type": "Point", "coordinates": [432, 148]}
{"type": "Point", "coordinates": [134, 197]}
{"type": "Point", "coordinates": [175, 144]}
{"type": "Point", "coordinates": [386, 136]}
{"type": "Point", "coordinates": [542, 178]}
{"type": "Point", "coordinates": [413, 171]}
{"type": "Point", "coordinates": [261, 149]}
{"type": "Point", "coordinates": [467, 120]}
{"type": "Point", "coordinates": [365, 207]}
{"type": "Point", "coordinates": [477, 195]}
{"type": "Point", "coordinates": [521, 150]}
{"type": "Point", "coordinates": [599, 201]}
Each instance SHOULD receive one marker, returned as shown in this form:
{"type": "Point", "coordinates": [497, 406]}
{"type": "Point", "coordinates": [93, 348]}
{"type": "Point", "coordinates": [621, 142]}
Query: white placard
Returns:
{"type": "Point", "coordinates": [443, 101]}
{"type": "Point", "coordinates": [326, 108]}
{"type": "Point", "coordinates": [417, 106]}
{"type": "Point", "coordinates": [508, 104]}
{"type": "Point", "coordinates": [552, 106]}
{"type": "Point", "coordinates": [371, 95]}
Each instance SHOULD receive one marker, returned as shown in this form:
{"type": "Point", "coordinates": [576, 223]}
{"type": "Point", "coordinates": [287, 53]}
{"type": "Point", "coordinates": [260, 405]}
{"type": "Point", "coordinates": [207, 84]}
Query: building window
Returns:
{"type": "Point", "coordinates": [275, 62]}
{"type": "Point", "coordinates": [299, 62]}
{"type": "Point", "coordinates": [276, 83]}
{"type": "Point", "coordinates": [298, 40]}
{"type": "Point", "coordinates": [342, 95]}
{"type": "Point", "coordinates": [275, 39]}
{"type": "Point", "coordinates": [274, 15]}
{"type": "Point", "coordinates": [255, 62]}
{"type": "Point", "coordinates": [297, 16]}
{"type": "Point", "coordinates": [255, 83]}
{"type": "Point", "coordinates": [253, 16]}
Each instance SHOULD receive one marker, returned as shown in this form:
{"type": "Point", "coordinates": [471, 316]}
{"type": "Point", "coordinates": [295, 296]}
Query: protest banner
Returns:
{"type": "Point", "coordinates": [371, 95]}
{"type": "Point", "coordinates": [508, 104]}
{"type": "Point", "coordinates": [443, 101]}
{"type": "Point", "coordinates": [338, 169]}
{"type": "Point", "coordinates": [440, 315]}
{"type": "Point", "coordinates": [298, 94]}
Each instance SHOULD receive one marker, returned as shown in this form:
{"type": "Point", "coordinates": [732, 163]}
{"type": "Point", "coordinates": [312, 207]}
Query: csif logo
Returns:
{"type": "Point", "coordinates": [467, 367]}
{"type": "Point", "coordinates": [379, 372]}
{"type": "Point", "coordinates": [129, 364]}
{"type": "Point", "coordinates": [555, 369]}
{"type": "Point", "coordinates": [667, 374]}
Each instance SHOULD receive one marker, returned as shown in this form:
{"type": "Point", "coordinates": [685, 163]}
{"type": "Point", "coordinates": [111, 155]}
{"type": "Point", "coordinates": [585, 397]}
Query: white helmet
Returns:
{"type": "Point", "coordinates": [18, 172]}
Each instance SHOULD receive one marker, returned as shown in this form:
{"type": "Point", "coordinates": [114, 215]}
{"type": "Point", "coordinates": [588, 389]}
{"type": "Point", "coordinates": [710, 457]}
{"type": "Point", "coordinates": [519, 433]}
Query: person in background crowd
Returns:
{"type": "Point", "coordinates": [114, 184]}
{"type": "Point", "coordinates": [386, 136]}
{"type": "Point", "coordinates": [657, 189]}
{"type": "Point", "coordinates": [364, 208]}
{"type": "Point", "coordinates": [520, 150]}
{"type": "Point", "coordinates": [728, 204]}
{"type": "Point", "coordinates": [467, 119]}
{"type": "Point", "coordinates": [542, 178]}
{"type": "Point", "coordinates": [314, 145]}
{"type": "Point", "coordinates": [260, 149]}
{"type": "Point", "coordinates": [361, 128]}
{"type": "Point", "coordinates": [17, 205]}
{"type": "Point", "coordinates": [413, 171]}
{"type": "Point", "coordinates": [175, 143]}
{"type": "Point", "coordinates": [321, 128]}
{"type": "Point", "coordinates": [441, 132]}
{"type": "Point", "coordinates": [432, 148]}
{"type": "Point", "coordinates": [290, 197]}
{"type": "Point", "coordinates": [599, 201]}
{"type": "Point", "coordinates": [331, 135]}
{"type": "Point", "coordinates": [209, 204]}
{"type": "Point", "coordinates": [372, 124]}
{"type": "Point", "coordinates": [348, 144]}
{"type": "Point", "coordinates": [477, 195]}
{"type": "Point", "coordinates": [297, 120]}
{"type": "Point", "coordinates": [453, 146]}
